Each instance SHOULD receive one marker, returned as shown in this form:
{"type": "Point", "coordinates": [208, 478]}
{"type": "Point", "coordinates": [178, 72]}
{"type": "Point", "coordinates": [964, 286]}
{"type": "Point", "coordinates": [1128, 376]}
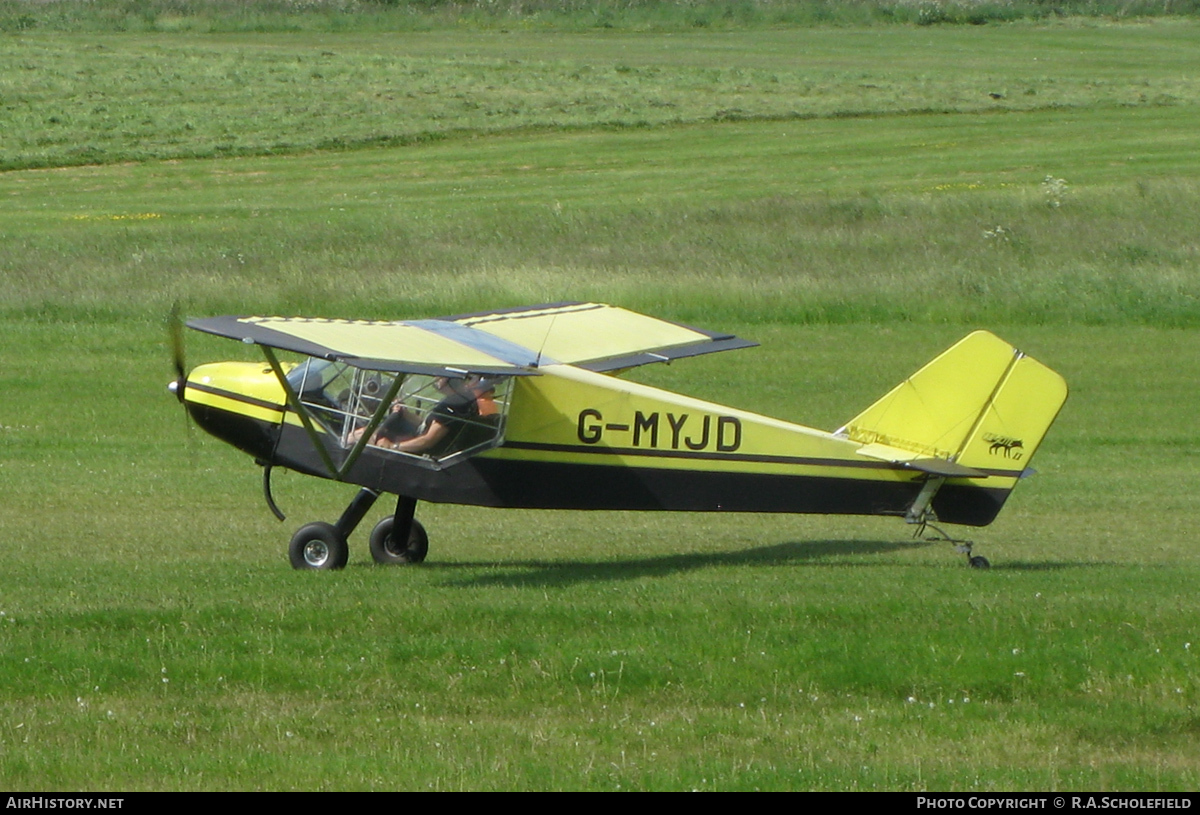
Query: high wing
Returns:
{"type": "Point", "coordinates": [512, 342]}
{"type": "Point", "coordinates": [598, 337]}
{"type": "Point", "coordinates": [433, 347]}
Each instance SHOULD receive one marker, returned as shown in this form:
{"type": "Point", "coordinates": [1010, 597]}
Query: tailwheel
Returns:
{"type": "Point", "coordinates": [974, 561]}
{"type": "Point", "coordinates": [388, 551]}
{"type": "Point", "coordinates": [963, 547]}
{"type": "Point", "coordinates": [318, 546]}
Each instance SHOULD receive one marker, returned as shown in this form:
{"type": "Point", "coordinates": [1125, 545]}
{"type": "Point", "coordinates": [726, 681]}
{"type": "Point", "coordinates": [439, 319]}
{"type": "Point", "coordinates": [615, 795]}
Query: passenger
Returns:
{"type": "Point", "coordinates": [485, 396]}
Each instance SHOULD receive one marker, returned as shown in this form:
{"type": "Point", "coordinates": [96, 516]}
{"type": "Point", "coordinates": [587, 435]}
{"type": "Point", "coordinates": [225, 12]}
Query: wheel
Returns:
{"type": "Point", "coordinates": [979, 562]}
{"type": "Point", "coordinates": [388, 552]}
{"type": "Point", "coordinates": [318, 546]}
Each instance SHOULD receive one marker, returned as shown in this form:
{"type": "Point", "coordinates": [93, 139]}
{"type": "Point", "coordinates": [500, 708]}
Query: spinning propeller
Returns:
{"type": "Point", "coordinates": [179, 383]}
{"type": "Point", "coordinates": [176, 386]}
{"type": "Point", "coordinates": [175, 337]}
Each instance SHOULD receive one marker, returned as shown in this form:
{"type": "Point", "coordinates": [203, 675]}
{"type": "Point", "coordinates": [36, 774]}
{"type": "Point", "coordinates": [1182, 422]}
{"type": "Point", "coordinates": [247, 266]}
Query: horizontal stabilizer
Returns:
{"type": "Point", "coordinates": [915, 461]}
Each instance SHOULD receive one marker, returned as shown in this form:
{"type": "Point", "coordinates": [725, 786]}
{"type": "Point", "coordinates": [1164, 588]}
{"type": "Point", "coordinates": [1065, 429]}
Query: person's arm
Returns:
{"type": "Point", "coordinates": [434, 433]}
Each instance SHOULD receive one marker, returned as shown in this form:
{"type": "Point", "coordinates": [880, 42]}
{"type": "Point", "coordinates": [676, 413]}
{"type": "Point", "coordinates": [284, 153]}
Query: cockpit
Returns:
{"type": "Point", "coordinates": [443, 419]}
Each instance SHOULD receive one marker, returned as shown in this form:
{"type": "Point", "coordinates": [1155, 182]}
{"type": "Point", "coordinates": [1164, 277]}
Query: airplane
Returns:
{"type": "Point", "coordinates": [523, 407]}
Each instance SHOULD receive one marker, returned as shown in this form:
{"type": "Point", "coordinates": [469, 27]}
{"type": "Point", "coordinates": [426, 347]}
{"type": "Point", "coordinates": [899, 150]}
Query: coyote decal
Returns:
{"type": "Point", "coordinates": [1010, 447]}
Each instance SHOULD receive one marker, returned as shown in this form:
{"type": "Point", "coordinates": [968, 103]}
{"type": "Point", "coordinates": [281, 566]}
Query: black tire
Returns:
{"type": "Point", "coordinates": [979, 562]}
{"type": "Point", "coordinates": [318, 546]}
{"type": "Point", "coordinates": [389, 552]}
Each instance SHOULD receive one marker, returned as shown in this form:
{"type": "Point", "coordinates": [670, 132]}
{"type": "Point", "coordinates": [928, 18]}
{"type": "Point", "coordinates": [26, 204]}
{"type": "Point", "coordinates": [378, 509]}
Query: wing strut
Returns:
{"type": "Point", "coordinates": [376, 420]}
{"type": "Point", "coordinates": [293, 398]}
{"type": "Point", "coordinates": [305, 419]}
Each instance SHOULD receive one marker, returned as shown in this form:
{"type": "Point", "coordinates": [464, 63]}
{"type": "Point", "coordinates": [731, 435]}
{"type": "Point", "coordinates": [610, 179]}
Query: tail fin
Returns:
{"type": "Point", "coordinates": [983, 406]}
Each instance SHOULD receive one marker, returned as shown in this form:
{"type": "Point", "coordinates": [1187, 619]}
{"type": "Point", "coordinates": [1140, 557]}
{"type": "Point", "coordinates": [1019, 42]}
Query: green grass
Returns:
{"type": "Point", "coordinates": [344, 16]}
{"type": "Point", "coordinates": [799, 174]}
{"type": "Point", "coordinates": [152, 635]}
{"type": "Point", "coordinates": [911, 218]}
{"type": "Point", "coordinates": [102, 98]}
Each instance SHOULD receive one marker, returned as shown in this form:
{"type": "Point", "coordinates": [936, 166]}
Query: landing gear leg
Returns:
{"type": "Point", "coordinates": [400, 538]}
{"type": "Point", "coordinates": [356, 510]}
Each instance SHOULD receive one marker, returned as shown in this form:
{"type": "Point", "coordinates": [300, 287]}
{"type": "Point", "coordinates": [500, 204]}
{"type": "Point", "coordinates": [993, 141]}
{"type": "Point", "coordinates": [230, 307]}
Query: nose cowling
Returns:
{"type": "Point", "coordinates": [241, 403]}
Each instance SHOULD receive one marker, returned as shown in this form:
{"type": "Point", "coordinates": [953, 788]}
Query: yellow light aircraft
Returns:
{"type": "Point", "coordinates": [520, 408]}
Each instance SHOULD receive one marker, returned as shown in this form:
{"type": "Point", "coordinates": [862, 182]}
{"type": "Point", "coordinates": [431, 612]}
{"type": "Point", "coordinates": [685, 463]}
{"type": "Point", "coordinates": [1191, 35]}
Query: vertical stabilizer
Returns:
{"type": "Point", "coordinates": [981, 404]}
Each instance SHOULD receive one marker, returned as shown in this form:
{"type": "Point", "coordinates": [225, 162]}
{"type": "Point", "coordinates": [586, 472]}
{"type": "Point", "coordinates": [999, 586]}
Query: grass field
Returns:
{"type": "Point", "coordinates": [844, 196]}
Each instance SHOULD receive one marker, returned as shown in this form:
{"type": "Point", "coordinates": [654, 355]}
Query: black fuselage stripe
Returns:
{"type": "Point", "coordinates": [642, 452]}
{"type": "Point", "coordinates": [699, 456]}
{"type": "Point", "coordinates": [237, 397]}
{"type": "Point", "coordinates": [740, 457]}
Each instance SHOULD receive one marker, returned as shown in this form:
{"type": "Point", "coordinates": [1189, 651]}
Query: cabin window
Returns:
{"type": "Point", "coordinates": [344, 400]}
{"type": "Point", "coordinates": [444, 419]}
{"type": "Point", "coordinates": [324, 388]}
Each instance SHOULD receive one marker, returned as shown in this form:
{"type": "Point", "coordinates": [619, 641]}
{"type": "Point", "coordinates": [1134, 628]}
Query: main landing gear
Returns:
{"type": "Point", "coordinates": [398, 538]}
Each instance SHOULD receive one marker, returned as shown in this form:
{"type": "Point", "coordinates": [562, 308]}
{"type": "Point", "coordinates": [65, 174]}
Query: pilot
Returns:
{"type": "Point", "coordinates": [400, 423]}
{"type": "Point", "coordinates": [460, 404]}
